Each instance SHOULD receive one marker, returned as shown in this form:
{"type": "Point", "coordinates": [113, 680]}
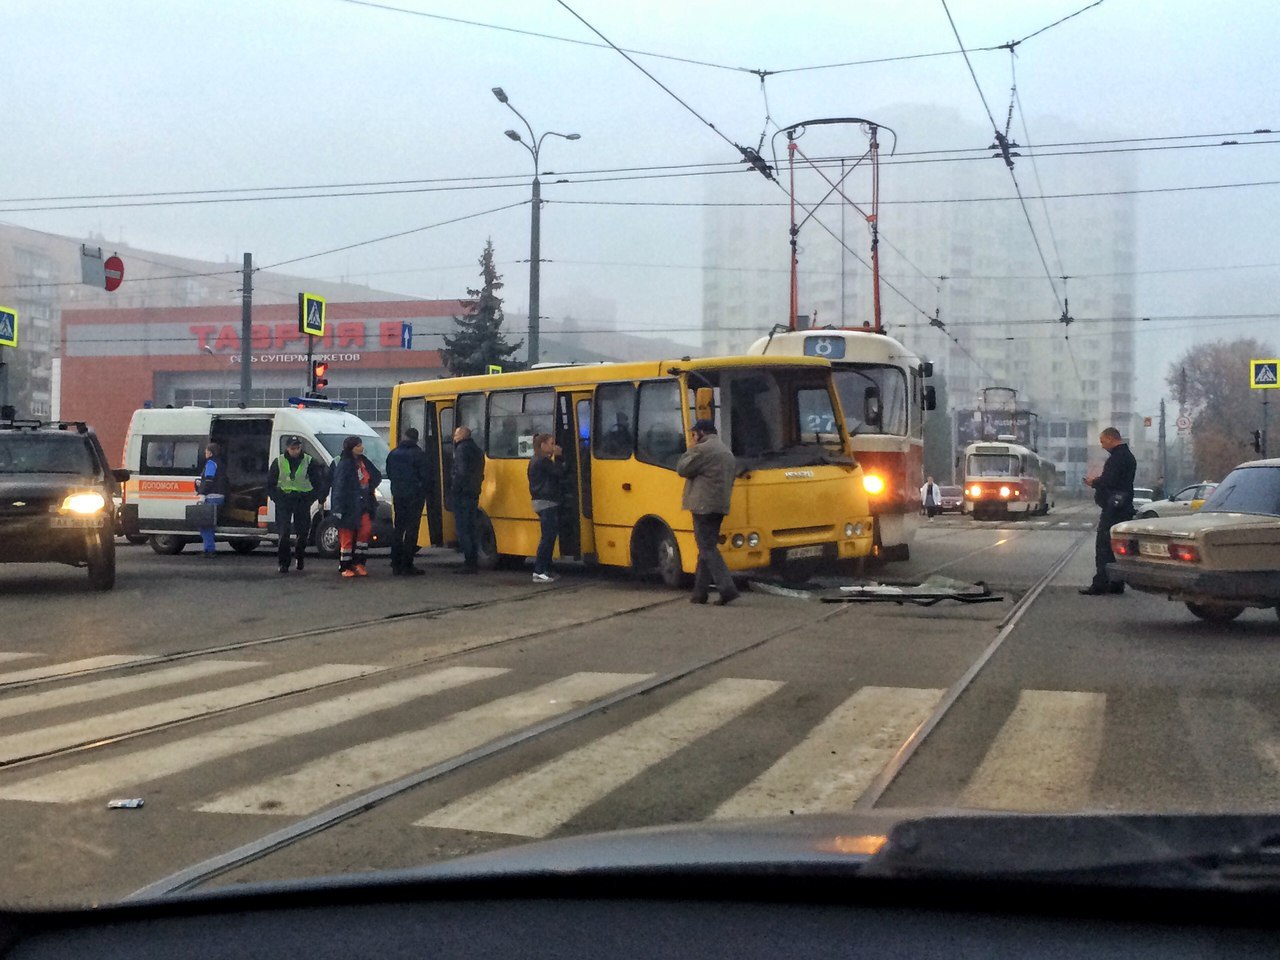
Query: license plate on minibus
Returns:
{"type": "Point", "coordinates": [804, 553]}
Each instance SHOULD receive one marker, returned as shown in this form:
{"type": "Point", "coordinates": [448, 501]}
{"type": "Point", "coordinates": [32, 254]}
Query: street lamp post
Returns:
{"type": "Point", "coordinates": [534, 146]}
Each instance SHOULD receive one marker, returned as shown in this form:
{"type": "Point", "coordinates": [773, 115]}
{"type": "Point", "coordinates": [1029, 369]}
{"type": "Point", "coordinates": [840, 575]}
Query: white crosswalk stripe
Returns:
{"type": "Point", "coordinates": [536, 802]}
{"type": "Point", "coordinates": [64, 669]}
{"type": "Point", "coordinates": [356, 769]}
{"type": "Point", "coordinates": [116, 686]}
{"type": "Point", "coordinates": [830, 769]}
{"type": "Point", "coordinates": [15, 656]}
{"type": "Point", "coordinates": [64, 735]}
{"type": "Point", "coordinates": [102, 777]}
{"type": "Point", "coordinates": [1044, 756]}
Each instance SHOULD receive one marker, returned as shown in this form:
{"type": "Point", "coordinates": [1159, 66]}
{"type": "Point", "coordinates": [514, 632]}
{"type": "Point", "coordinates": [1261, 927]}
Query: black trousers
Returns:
{"type": "Point", "coordinates": [293, 519]}
{"type": "Point", "coordinates": [711, 566]}
{"type": "Point", "coordinates": [1102, 553]}
{"type": "Point", "coordinates": [407, 519]}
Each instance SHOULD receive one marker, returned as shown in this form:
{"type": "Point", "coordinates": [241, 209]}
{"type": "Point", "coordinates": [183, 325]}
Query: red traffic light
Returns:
{"type": "Point", "coordinates": [318, 379]}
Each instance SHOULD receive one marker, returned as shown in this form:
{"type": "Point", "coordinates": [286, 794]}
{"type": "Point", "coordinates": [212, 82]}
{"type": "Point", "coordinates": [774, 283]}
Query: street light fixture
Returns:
{"type": "Point", "coordinates": [534, 146]}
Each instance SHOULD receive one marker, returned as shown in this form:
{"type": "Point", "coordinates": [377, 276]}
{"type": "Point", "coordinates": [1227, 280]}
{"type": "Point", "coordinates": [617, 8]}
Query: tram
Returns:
{"type": "Point", "coordinates": [1005, 479]}
{"type": "Point", "coordinates": [884, 396]}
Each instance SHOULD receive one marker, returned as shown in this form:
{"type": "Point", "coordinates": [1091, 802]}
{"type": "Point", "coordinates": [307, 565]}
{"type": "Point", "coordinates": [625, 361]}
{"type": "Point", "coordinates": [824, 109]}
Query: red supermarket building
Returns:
{"type": "Point", "coordinates": [116, 361]}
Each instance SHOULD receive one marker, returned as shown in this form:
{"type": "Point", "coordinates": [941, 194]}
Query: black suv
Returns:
{"type": "Point", "coordinates": [57, 498]}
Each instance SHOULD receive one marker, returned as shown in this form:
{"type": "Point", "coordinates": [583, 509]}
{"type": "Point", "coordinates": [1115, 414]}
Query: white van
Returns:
{"type": "Point", "coordinates": [165, 451]}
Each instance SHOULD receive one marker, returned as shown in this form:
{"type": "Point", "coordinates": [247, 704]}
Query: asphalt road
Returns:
{"type": "Point", "coordinates": [457, 714]}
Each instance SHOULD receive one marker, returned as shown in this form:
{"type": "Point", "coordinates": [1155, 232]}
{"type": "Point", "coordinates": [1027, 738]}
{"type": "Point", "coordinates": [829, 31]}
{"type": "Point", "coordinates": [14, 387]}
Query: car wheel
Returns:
{"type": "Point", "coordinates": [102, 563]}
{"type": "Point", "coordinates": [1215, 612]}
{"type": "Point", "coordinates": [137, 539]}
{"type": "Point", "coordinates": [326, 538]}
{"type": "Point", "coordinates": [167, 544]}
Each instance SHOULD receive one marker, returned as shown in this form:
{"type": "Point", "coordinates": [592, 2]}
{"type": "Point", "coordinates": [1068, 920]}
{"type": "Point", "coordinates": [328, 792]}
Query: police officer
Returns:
{"type": "Point", "coordinates": [295, 481]}
{"type": "Point", "coordinates": [409, 470]}
{"type": "Point", "coordinates": [1113, 492]}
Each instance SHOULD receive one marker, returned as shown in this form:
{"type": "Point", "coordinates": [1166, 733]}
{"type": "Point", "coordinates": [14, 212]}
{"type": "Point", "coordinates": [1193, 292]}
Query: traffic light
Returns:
{"type": "Point", "coordinates": [319, 380]}
{"type": "Point", "coordinates": [1257, 441]}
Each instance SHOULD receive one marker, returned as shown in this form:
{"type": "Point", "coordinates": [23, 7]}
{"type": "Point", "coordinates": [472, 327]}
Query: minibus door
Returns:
{"type": "Point", "coordinates": [428, 423]}
{"type": "Point", "coordinates": [444, 419]}
{"type": "Point", "coordinates": [569, 439]}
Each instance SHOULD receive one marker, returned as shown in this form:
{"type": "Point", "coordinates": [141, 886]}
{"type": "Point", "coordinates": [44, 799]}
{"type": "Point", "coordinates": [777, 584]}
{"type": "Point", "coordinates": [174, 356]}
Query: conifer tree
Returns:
{"type": "Point", "coordinates": [479, 340]}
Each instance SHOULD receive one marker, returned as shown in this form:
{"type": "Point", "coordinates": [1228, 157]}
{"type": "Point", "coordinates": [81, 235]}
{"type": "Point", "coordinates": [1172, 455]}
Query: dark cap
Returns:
{"type": "Point", "coordinates": [704, 426]}
{"type": "Point", "coordinates": [411, 434]}
{"type": "Point", "coordinates": [293, 441]}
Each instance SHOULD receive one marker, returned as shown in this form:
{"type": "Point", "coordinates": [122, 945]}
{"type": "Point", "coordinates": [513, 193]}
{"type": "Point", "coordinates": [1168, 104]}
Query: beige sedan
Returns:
{"type": "Point", "coordinates": [1217, 561]}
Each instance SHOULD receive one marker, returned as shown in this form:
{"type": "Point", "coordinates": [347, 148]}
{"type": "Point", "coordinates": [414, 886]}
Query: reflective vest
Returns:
{"type": "Point", "coordinates": [292, 481]}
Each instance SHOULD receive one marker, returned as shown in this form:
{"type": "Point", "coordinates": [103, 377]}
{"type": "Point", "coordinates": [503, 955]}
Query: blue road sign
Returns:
{"type": "Point", "coordinates": [406, 334]}
{"type": "Point", "coordinates": [1263, 374]}
{"type": "Point", "coordinates": [8, 327]}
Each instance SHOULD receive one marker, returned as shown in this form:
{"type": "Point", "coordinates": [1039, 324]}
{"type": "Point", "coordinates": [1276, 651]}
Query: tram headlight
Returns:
{"type": "Point", "coordinates": [739, 540]}
{"type": "Point", "coordinates": [975, 491]}
{"type": "Point", "coordinates": [753, 539]}
{"type": "Point", "coordinates": [848, 530]}
{"type": "Point", "coordinates": [1004, 492]}
{"type": "Point", "coordinates": [872, 484]}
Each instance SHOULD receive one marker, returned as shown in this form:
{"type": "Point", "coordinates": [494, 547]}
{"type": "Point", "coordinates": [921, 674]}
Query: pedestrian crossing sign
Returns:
{"type": "Point", "coordinates": [311, 309]}
{"type": "Point", "coordinates": [8, 327]}
{"type": "Point", "coordinates": [1263, 374]}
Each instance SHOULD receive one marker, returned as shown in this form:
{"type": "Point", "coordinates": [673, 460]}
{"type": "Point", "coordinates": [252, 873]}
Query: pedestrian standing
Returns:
{"type": "Point", "coordinates": [931, 497]}
{"type": "Point", "coordinates": [353, 499]}
{"type": "Point", "coordinates": [546, 486]}
{"type": "Point", "coordinates": [1113, 492]}
{"type": "Point", "coordinates": [295, 481]}
{"type": "Point", "coordinates": [465, 482]}
{"type": "Point", "coordinates": [409, 470]}
{"type": "Point", "coordinates": [213, 489]}
{"type": "Point", "coordinates": [709, 469]}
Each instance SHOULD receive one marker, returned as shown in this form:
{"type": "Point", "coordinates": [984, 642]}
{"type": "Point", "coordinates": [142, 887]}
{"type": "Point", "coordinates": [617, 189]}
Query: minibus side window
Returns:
{"type": "Point", "coordinates": [471, 414]}
{"type": "Point", "coordinates": [615, 421]}
{"type": "Point", "coordinates": [659, 426]}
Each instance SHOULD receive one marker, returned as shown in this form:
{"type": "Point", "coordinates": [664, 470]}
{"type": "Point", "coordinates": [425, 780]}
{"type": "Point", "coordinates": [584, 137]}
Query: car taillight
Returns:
{"type": "Point", "coordinates": [1185, 552]}
{"type": "Point", "coordinates": [1124, 548]}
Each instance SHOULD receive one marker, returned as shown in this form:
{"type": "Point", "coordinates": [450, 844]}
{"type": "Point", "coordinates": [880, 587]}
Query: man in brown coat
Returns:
{"type": "Point", "coordinates": [709, 469]}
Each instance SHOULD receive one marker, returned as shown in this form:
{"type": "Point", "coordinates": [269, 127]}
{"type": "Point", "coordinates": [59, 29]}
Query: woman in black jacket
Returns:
{"type": "Point", "coordinates": [546, 479]}
{"type": "Point", "coordinates": [353, 501]}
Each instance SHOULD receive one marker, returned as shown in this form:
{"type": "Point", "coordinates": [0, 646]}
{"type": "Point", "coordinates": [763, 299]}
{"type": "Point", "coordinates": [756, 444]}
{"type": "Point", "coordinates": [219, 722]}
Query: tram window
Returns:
{"type": "Point", "coordinates": [615, 421]}
{"type": "Point", "coordinates": [659, 426]}
{"type": "Point", "coordinates": [471, 414]}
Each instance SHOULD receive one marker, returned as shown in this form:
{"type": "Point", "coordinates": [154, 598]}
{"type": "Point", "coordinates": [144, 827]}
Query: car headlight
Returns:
{"type": "Point", "coordinates": [84, 503]}
{"type": "Point", "coordinates": [739, 540]}
{"type": "Point", "coordinates": [753, 539]}
{"type": "Point", "coordinates": [872, 484]}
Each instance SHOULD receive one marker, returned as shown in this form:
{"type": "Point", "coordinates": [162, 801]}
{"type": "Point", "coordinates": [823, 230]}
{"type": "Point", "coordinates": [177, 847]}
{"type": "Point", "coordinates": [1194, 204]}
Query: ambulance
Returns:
{"type": "Point", "coordinates": [165, 450]}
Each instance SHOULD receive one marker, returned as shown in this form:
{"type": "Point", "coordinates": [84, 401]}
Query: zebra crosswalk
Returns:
{"type": "Point", "coordinates": [322, 735]}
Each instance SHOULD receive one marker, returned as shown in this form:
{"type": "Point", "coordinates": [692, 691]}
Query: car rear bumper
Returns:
{"type": "Point", "coordinates": [1250, 587]}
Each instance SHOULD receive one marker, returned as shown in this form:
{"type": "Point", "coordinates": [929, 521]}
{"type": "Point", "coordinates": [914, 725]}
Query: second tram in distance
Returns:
{"type": "Point", "coordinates": [1005, 479]}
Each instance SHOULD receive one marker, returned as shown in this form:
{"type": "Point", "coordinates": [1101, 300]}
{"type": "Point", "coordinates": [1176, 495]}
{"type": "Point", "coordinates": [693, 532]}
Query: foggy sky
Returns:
{"type": "Point", "coordinates": [170, 95]}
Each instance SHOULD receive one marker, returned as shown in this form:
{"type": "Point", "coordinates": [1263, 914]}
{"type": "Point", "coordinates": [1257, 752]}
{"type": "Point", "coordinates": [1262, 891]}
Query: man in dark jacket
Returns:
{"type": "Point", "coordinates": [464, 493]}
{"type": "Point", "coordinates": [1113, 492]}
{"type": "Point", "coordinates": [409, 470]}
{"type": "Point", "coordinates": [709, 468]}
{"type": "Point", "coordinates": [295, 481]}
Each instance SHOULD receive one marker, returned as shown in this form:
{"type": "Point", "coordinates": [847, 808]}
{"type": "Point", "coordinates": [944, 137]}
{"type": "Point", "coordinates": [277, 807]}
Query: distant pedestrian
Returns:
{"type": "Point", "coordinates": [409, 470]}
{"type": "Point", "coordinates": [1158, 491]}
{"type": "Point", "coordinates": [1113, 492]}
{"type": "Point", "coordinates": [212, 488]}
{"type": "Point", "coordinates": [546, 488]}
{"type": "Point", "coordinates": [295, 481]}
{"type": "Point", "coordinates": [931, 497]}
{"type": "Point", "coordinates": [353, 502]}
{"type": "Point", "coordinates": [709, 469]}
{"type": "Point", "coordinates": [465, 482]}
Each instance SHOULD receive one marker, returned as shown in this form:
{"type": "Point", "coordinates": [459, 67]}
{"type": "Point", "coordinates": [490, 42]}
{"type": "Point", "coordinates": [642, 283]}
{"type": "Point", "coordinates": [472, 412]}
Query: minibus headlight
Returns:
{"type": "Point", "coordinates": [83, 503]}
{"type": "Point", "coordinates": [739, 540]}
{"type": "Point", "coordinates": [848, 530]}
{"type": "Point", "coordinates": [753, 539]}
